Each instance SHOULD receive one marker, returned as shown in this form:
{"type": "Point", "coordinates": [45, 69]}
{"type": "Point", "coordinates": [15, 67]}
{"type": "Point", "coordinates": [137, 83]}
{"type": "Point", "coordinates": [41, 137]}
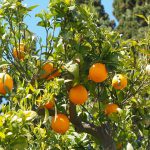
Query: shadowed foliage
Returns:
{"type": "Point", "coordinates": [126, 11]}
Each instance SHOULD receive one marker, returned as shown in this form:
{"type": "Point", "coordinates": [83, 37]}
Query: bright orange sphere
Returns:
{"type": "Point", "coordinates": [119, 81]}
{"type": "Point", "coordinates": [111, 108]}
{"type": "Point", "coordinates": [78, 94]}
{"type": "Point", "coordinates": [98, 72]}
{"type": "Point", "coordinates": [6, 83]}
{"type": "Point", "coordinates": [49, 72]}
{"type": "Point", "coordinates": [60, 123]}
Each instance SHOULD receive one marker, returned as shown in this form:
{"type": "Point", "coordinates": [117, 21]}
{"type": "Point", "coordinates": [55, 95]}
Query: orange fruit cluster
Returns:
{"type": "Point", "coordinates": [6, 83]}
{"type": "Point", "coordinates": [49, 72]}
{"type": "Point", "coordinates": [60, 123]}
{"type": "Point", "coordinates": [98, 73]}
{"type": "Point", "coordinates": [78, 94]}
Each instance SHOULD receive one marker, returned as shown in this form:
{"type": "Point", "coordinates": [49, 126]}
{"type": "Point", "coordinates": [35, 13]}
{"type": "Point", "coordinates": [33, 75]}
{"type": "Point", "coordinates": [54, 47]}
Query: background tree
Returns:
{"type": "Point", "coordinates": [126, 11]}
{"type": "Point", "coordinates": [99, 9]}
{"type": "Point", "coordinates": [109, 113]}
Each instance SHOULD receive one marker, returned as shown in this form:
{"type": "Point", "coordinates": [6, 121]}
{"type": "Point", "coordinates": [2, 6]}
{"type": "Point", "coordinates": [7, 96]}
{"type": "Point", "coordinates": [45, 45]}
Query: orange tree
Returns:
{"type": "Point", "coordinates": [85, 88]}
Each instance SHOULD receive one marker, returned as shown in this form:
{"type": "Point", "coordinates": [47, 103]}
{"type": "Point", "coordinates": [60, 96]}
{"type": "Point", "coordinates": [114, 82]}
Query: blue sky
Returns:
{"type": "Point", "coordinates": [32, 21]}
{"type": "Point", "coordinates": [108, 8]}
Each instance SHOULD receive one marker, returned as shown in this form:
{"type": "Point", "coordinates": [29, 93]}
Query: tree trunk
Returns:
{"type": "Point", "coordinates": [104, 137]}
{"type": "Point", "coordinates": [101, 133]}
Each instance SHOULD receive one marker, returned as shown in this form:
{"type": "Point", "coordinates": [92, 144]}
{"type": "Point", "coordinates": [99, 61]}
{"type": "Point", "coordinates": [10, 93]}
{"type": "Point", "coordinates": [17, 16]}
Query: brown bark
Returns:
{"type": "Point", "coordinates": [101, 133]}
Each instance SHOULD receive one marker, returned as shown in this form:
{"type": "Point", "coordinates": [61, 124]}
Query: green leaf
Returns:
{"type": "Point", "coordinates": [20, 143]}
{"type": "Point", "coordinates": [31, 88]}
{"type": "Point", "coordinates": [32, 7]}
{"type": "Point", "coordinates": [104, 95]}
{"type": "Point", "coordinates": [46, 116]}
{"type": "Point", "coordinates": [4, 64]}
{"type": "Point", "coordinates": [141, 16]}
{"type": "Point", "coordinates": [41, 23]}
{"type": "Point", "coordinates": [2, 135]}
{"type": "Point", "coordinates": [39, 15]}
{"type": "Point", "coordinates": [73, 68]}
{"type": "Point", "coordinates": [1, 121]}
{"type": "Point", "coordinates": [120, 95]}
{"type": "Point", "coordinates": [29, 96]}
{"type": "Point", "coordinates": [44, 23]}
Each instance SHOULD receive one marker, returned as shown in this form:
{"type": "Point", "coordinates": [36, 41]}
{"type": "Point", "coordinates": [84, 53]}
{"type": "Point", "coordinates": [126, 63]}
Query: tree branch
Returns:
{"type": "Point", "coordinates": [101, 132]}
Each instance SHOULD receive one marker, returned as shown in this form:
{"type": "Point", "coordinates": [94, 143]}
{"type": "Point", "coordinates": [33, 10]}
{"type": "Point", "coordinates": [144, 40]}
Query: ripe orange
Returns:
{"type": "Point", "coordinates": [111, 108]}
{"type": "Point", "coordinates": [49, 105]}
{"type": "Point", "coordinates": [49, 72]}
{"type": "Point", "coordinates": [19, 52]}
{"type": "Point", "coordinates": [98, 72]}
{"type": "Point", "coordinates": [78, 94]}
{"type": "Point", "coordinates": [60, 123]}
{"type": "Point", "coordinates": [6, 83]}
{"type": "Point", "coordinates": [119, 81]}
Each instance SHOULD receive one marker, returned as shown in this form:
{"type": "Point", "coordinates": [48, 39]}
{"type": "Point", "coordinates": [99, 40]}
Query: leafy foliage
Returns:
{"type": "Point", "coordinates": [130, 24]}
{"type": "Point", "coordinates": [98, 9]}
{"type": "Point", "coordinates": [79, 44]}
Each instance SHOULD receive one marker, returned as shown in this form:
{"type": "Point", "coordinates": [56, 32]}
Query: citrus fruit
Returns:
{"type": "Point", "coordinates": [111, 108]}
{"type": "Point", "coordinates": [119, 81]}
{"type": "Point", "coordinates": [6, 83]}
{"type": "Point", "coordinates": [78, 94]}
{"type": "Point", "coordinates": [60, 123]}
{"type": "Point", "coordinates": [98, 72]}
{"type": "Point", "coordinates": [19, 52]}
{"type": "Point", "coordinates": [49, 105]}
{"type": "Point", "coordinates": [49, 72]}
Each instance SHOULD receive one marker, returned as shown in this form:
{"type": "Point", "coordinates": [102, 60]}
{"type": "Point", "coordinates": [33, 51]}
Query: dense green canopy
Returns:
{"type": "Point", "coordinates": [99, 8]}
{"type": "Point", "coordinates": [126, 11]}
{"type": "Point", "coordinates": [83, 61]}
